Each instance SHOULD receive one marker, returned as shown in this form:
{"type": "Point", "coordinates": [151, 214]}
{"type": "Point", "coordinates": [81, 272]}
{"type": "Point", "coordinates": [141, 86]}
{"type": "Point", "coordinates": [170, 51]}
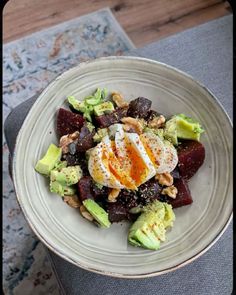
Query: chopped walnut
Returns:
{"type": "Point", "coordinates": [157, 122]}
{"type": "Point", "coordinates": [119, 100]}
{"type": "Point", "coordinates": [170, 191]}
{"type": "Point", "coordinates": [85, 213]}
{"type": "Point", "coordinates": [65, 140]}
{"type": "Point", "coordinates": [128, 128]}
{"type": "Point", "coordinates": [164, 179]}
{"type": "Point", "coordinates": [114, 193]}
{"type": "Point", "coordinates": [72, 201]}
{"type": "Point", "coordinates": [132, 124]}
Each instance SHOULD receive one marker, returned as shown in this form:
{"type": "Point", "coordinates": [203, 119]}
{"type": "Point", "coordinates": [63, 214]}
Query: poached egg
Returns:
{"type": "Point", "coordinates": [127, 160]}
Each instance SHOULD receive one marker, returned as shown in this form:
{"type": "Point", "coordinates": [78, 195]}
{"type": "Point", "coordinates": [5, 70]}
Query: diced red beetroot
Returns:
{"type": "Point", "coordinates": [149, 191]}
{"type": "Point", "coordinates": [117, 212]}
{"type": "Point", "coordinates": [85, 188]}
{"type": "Point", "coordinates": [112, 118]}
{"type": "Point", "coordinates": [139, 107]}
{"type": "Point", "coordinates": [85, 140]}
{"type": "Point", "coordinates": [191, 154]}
{"type": "Point", "coordinates": [68, 122]}
{"type": "Point", "coordinates": [183, 196]}
{"type": "Point", "coordinates": [100, 193]}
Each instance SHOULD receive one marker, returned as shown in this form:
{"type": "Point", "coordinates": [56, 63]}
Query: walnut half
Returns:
{"type": "Point", "coordinates": [85, 213]}
{"type": "Point", "coordinates": [65, 140]}
{"type": "Point", "coordinates": [157, 122]}
{"type": "Point", "coordinates": [113, 195]}
{"type": "Point", "coordinates": [165, 179]}
{"type": "Point", "coordinates": [72, 201]}
{"type": "Point", "coordinates": [170, 191]}
{"type": "Point", "coordinates": [133, 124]}
{"type": "Point", "coordinates": [119, 100]}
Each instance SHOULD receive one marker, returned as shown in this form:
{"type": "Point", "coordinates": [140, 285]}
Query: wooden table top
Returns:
{"type": "Point", "coordinates": [143, 21]}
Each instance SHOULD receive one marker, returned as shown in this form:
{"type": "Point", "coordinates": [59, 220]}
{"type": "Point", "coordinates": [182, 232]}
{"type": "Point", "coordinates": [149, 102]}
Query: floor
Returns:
{"type": "Point", "coordinates": [143, 21]}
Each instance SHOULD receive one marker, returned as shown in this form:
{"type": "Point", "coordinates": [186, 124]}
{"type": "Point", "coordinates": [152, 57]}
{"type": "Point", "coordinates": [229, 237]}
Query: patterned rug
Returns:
{"type": "Point", "coordinates": [29, 64]}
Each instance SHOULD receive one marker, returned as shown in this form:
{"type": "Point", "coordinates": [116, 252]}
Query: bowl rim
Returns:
{"type": "Point", "coordinates": [57, 251]}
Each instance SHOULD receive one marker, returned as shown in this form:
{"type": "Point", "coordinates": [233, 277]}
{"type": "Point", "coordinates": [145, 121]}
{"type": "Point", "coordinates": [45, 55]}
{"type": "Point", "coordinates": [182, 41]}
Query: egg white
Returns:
{"type": "Point", "coordinates": [98, 170]}
{"type": "Point", "coordinates": [170, 158]}
{"type": "Point", "coordinates": [156, 147]}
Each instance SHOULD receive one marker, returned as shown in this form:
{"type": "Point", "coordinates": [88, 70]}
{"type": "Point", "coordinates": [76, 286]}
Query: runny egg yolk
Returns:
{"type": "Point", "coordinates": [130, 170]}
{"type": "Point", "coordinates": [138, 168]}
{"type": "Point", "coordinates": [120, 173]}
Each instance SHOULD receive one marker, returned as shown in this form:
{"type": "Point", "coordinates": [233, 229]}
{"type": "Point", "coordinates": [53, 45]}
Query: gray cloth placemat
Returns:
{"type": "Point", "coordinates": [204, 52]}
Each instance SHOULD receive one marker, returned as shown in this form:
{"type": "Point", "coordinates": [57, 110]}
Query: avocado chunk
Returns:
{"type": "Point", "coordinates": [149, 230]}
{"type": "Point", "coordinates": [67, 175]}
{"type": "Point", "coordinates": [183, 127]}
{"type": "Point", "coordinates": [60, 165]}
{"type": "Point", "coordinates": [170, 131]}
{"type": "Point", "coordinates": [76, 104]}
{"type": "Point", "coordinates": [101, 132]}
{"type": "Point", "coordinates": [91, 100]}
{"type": "Point", "coordinates": [97, 97]}
{"type": "Point", "coordinates": [81, 106]}
{"type": "Point", "coordinates": [103, 108]}
{"type": "Point", "coordinates": [49, 161]}
{"type": "Point", "coordinates": [98, 213]}
{"type": "Point", "coordinates": [62, 190]}
{"type": "Point", "coordinates": [87, 105]}
{"type": "Point", "coordinates": [90, 126]}
{"type": "Point", "coordinates": [94, 99]}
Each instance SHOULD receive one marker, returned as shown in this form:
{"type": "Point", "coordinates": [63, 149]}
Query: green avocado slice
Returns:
{"type": "Point", "coordinates": [103, 108]}
{"type": "Point", "coordinates": [148, 231]}
{"type": "Point", "coordinates": [49, 161]}
{"type": "Point", "coordinates": [183, 127]}
{"type": "Point", "coordinates": [98, 213]}
{"type": "Point", "coordinates": [62, 190]}
{"type": "Point", "coordinates": [76, 104]}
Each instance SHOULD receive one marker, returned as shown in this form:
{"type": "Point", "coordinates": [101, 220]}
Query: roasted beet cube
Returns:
{"type": "Point", "coordinates": [128, 198]}
{"type": "Point", "coordinates": [183, 196]}
{"type": "Point", "coordinates": [112, 118]}
{"type": "Point", "coordinates": [139, 107]}
{"type": "Point", "coordinates": [85, 140]}
{"type": "Point", "coordinates": [71, 160]}
{"type": "Point", "coordinates": [117, 212]}
{"type": "Point", "coordinates": [100, 193]}
{"type": "Point", "coordinates": [68, 122]}
{"type": "Point", "coordinates": [191, 154]}
{"type": "Point", "coordinates": [149, 191]}
{"type": "Point", "coordinates": [85, 188]}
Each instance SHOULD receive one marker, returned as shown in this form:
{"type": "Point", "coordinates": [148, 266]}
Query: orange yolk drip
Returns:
{"type": "Point", "coordinates": [122, 177]}
{"type": "Point", "coordinates": [138, 168]}
{"type": "Point", "coordinates": [113, 165]}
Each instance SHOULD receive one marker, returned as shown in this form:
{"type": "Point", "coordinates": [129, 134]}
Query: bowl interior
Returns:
{"type": "Point", "coordinates": [106, 250]}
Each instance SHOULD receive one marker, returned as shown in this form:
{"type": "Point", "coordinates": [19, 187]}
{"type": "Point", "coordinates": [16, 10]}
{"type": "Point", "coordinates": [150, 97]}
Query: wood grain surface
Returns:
{"type": "Point", "coordinates": [144, 21]}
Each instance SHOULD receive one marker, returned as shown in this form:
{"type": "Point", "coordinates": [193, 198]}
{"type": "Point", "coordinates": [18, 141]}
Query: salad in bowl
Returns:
{"type": "Point", "coordinates": [117, 160]}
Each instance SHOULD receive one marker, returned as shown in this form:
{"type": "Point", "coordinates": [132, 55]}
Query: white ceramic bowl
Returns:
{"type": "Point", "coordinates": [106, 251]}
